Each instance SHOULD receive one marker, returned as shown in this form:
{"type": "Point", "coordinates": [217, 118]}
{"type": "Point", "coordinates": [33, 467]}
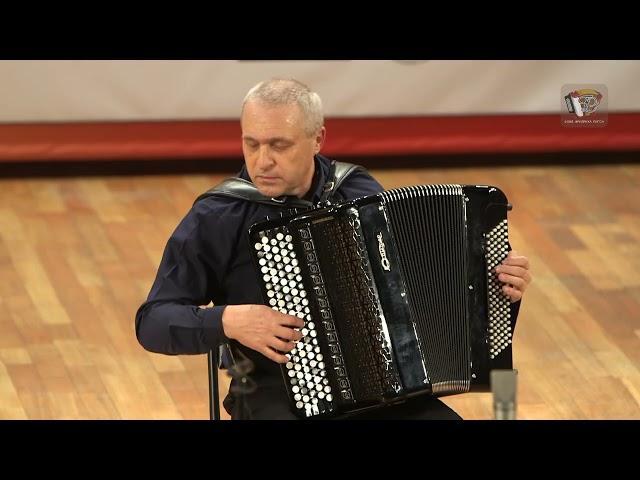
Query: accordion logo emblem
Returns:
{"type": "Point", "coordinates": [584, 105]}
{"type": "Point", "coordinates": [383, 253]}
{"type": "Point", "coordinates": [583, 102]}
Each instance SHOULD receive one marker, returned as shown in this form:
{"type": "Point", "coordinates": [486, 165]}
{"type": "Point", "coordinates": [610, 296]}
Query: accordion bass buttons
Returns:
{"type": "Point", "coordinates": [311, 381]}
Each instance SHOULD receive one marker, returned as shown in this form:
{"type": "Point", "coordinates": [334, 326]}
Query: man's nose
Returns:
{"type": "Point", "coordinates": [265, 160]}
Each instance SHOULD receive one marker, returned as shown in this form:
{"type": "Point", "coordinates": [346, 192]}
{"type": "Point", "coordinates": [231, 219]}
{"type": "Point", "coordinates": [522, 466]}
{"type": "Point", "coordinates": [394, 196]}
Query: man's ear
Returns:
{"type": "Point", "coordinates": [320, 138]}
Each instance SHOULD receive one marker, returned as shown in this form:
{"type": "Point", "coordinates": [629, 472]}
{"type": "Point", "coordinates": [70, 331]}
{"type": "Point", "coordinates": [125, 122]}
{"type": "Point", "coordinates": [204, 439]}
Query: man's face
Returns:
{"type": "Point", "coordinates": [277, 151]}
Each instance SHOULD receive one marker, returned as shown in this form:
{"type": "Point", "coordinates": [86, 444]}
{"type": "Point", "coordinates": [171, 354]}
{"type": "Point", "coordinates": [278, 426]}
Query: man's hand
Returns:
{"type": "Point", "coordinates": [514, 272]}
{"type": "Point", "coordinates": [263, 329]}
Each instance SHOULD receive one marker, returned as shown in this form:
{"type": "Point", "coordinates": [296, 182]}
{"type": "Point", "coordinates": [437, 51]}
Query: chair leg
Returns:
{"type": "Point", "coordinates": [214, 394]}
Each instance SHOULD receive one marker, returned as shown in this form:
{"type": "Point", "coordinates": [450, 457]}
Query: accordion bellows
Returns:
{"type": "Point", "coordinates": [398, 293]}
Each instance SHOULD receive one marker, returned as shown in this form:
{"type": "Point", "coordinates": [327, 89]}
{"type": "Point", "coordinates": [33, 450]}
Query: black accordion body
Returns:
{"type": "Point", "coordinates": [398, 293]}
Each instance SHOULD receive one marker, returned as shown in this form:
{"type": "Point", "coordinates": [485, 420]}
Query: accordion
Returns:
{"type": "Point", "coordinates": [398, 293]}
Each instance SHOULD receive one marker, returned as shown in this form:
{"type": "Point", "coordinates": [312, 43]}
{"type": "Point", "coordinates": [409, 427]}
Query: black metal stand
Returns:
{"type": "Point", "coordinates": [214, 395]}
{"type": "Point", "coordinates": [241, 386]}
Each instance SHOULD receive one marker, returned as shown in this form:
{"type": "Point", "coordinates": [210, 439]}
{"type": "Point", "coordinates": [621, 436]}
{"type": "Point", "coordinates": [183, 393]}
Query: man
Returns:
{"type": "Point", "coordinates": [208, 259]}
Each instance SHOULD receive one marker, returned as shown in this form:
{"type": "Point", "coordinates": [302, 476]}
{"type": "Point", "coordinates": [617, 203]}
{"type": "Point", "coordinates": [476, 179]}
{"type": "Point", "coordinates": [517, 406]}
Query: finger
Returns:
{"type": "Point", "coordinates": [273, 355]}
{"type": "Point", "coordinates": [512, 293]}
{"type": "Point", "coordinates": [286, 333]}
{"type": "Point", "coordinates": [514, 281]}
{"type": "Point", "coordinates": [511, 270]}
{"type": "Point", "coordinates": [291, 321]}
{"type": "Point", "coordinates": [524, 275]}
{"type": "Point", "coordinates": [280, 345]}
{"type": "Point", "coordinates": [517, 260]}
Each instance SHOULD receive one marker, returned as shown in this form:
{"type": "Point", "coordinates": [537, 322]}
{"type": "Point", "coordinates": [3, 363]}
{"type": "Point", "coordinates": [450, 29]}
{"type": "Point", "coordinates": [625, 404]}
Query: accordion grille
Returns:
{"type": "Point", "coordinates": [355, 301]}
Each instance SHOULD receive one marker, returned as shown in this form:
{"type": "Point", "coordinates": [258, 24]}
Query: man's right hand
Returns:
{"type": "Point", "coordinates": [263, 329]}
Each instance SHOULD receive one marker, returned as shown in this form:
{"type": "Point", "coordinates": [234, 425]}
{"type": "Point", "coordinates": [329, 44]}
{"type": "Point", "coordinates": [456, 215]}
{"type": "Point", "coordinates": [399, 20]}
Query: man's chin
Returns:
{"type": "Point", "coordinates": [269, 191]}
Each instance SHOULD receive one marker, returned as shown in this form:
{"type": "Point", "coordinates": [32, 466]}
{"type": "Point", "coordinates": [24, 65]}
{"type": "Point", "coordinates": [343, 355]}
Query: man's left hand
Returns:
{"type": "Point", "coordinates": [514, 273]}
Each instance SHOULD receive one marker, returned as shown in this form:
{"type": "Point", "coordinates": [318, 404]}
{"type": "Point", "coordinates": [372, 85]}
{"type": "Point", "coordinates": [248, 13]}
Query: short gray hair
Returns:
{"type": "Point", "coordinates": [285, 91]}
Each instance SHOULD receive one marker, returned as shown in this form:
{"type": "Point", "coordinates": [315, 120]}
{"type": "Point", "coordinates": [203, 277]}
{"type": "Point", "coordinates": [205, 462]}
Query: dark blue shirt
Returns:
{"type": "Point", "coordinates": [207, 259]}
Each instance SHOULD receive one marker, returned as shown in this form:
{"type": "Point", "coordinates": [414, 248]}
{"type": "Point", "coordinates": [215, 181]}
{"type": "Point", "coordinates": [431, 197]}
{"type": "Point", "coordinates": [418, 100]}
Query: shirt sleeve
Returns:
{"type": "Point", "coordinates": [173, 320]}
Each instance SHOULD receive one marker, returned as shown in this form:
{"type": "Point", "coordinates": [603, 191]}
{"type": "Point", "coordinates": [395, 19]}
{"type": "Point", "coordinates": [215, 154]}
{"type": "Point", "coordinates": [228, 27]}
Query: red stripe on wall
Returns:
{"type": "Point", "coordinates": [345, 136]}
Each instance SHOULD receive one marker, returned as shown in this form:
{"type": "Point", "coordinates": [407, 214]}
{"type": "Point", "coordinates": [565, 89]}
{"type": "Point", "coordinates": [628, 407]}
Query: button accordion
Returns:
{"type": "Point", "coordinates": [398, 293]}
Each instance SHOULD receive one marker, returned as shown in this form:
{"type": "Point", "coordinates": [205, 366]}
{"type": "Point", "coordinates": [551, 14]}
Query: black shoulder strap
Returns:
{"type": "Point", "coordinates": [337, 174]}
{"type": "Point", "coordinates": [244, 190]}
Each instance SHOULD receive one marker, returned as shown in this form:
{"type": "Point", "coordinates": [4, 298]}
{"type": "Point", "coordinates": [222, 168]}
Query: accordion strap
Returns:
{"type": "Point", "coordinates": [244, 190]}
{"type": "Point", "coordinates": [338, 172]}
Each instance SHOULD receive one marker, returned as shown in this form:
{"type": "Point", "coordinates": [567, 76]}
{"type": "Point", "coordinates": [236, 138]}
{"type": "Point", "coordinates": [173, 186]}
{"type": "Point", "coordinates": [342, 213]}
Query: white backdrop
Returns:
{"type": "Point", "coordinates": [63, 91]}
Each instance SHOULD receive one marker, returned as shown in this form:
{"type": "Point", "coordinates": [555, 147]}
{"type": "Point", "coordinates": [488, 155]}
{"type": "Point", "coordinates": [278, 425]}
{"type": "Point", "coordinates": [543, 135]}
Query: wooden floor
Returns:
{"type": "Point", "coordinates": [78, 256]}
